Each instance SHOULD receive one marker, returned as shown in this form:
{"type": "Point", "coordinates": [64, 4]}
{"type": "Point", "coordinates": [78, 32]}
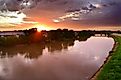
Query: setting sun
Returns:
{"type": "Point", "coordinates": [41, 27]}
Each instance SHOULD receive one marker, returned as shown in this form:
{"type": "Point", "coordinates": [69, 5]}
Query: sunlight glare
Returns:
{"type": "Point", "coordinates": [41, 27]}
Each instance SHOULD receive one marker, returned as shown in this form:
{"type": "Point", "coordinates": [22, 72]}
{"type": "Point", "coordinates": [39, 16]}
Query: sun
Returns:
{"type": "Point", "coordinates": [41, 27]}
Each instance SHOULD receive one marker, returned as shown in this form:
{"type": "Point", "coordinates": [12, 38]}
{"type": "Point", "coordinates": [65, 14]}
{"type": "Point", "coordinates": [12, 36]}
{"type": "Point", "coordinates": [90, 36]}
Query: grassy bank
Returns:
{"type": "Point", "coordinates": [112, 69]}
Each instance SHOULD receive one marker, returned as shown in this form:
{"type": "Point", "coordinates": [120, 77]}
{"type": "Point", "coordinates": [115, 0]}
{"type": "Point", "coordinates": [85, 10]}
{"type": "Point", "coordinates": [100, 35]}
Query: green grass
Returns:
{"type": "Point", "coordinates": [112, 69]}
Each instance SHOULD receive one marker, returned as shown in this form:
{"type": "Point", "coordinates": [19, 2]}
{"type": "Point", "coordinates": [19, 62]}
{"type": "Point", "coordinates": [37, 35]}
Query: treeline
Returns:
{"type": "Point", "coordinates": [58, 35]}
{"type": "Point", "coordinates": [32, 36]}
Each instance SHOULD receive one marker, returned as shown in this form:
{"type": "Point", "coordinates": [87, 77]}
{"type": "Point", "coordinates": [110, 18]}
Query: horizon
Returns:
{"type": "Point", "coordinates": [38, 30]}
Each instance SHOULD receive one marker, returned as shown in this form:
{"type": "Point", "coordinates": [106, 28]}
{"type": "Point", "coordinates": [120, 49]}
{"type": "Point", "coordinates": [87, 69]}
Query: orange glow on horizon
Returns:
{"type": "Point", "coordinates": [41, 27]}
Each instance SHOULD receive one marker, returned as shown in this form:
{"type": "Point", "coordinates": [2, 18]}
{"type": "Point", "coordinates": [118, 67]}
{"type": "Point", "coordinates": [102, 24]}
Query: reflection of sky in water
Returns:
{"type": "Point", "coordinates": [78, 62]}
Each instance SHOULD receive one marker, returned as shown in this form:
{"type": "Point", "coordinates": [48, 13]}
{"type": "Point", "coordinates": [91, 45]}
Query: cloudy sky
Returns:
{"type": "Point", "coordinates": [53, 14]}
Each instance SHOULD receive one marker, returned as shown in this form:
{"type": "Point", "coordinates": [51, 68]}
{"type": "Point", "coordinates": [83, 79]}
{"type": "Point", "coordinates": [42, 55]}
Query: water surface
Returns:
{"type": "Point", "coordinates": [72, 60]}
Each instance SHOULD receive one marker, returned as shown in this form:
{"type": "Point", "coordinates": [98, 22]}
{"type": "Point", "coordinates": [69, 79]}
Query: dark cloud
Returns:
{"type": "Point", "coordinates": [105, 12]}
{"type": "Point", "coordinates": [17, 5]}
{"type": "Point", "coordinates": [110, 15]}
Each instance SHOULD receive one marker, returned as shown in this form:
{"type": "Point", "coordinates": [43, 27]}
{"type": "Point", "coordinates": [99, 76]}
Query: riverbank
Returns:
{"type": "Point", "coordinates": [111, 70]}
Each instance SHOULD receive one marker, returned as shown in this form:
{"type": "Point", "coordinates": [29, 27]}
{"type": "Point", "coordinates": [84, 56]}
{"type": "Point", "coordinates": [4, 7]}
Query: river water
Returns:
{"type": "Point", "coordinates": [74, 60]}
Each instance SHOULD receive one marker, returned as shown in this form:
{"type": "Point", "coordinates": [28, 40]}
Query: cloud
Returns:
{"type": "Point", "coordinates": [77, 14]}
{"type": "Point", "coordinates": [11, 17]}
{"type": "Point", "coordinates": [14, 18]}
{"type": "Point", "coordinates": [12, 11]}
{"type": "Point", "coordinates": [17, 5]}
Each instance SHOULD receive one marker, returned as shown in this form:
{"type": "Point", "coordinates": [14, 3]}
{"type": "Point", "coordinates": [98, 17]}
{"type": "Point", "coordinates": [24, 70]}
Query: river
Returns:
{"type": "Point", "coordinates": [74, 60]}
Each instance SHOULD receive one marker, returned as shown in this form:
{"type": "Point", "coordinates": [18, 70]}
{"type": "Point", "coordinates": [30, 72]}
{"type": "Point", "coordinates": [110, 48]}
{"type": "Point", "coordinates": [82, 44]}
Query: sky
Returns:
{"type": "Point", "coordinates": [54, 14]}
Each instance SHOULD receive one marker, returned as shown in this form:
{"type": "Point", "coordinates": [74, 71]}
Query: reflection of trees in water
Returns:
{"type": "Point", "coordinates": [31, 50]}
{"type": "Point", "coordinates": [35, 50]}
{"type": "Point", "coordinates": [59, 45]}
